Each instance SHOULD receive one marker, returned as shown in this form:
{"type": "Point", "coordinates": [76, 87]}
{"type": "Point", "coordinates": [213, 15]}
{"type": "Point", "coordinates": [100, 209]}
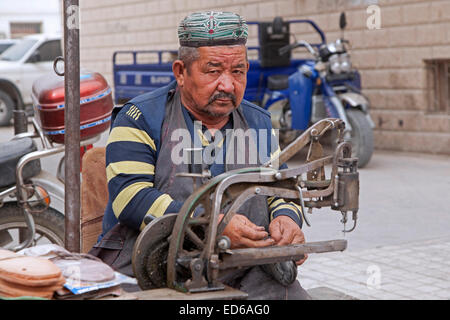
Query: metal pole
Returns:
{"type": "Point", "coordinates": [72, 124]}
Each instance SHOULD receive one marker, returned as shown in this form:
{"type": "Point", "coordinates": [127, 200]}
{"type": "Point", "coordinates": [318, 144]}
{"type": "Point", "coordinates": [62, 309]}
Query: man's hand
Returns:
{"type": "Point", "coordinates": [245, 234]}
{"type": "Point", "coordinates": [283, 230]}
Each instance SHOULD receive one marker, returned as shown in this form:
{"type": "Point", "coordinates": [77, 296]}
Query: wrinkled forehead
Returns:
{"type": "Point", "coordinates": [225, 54]}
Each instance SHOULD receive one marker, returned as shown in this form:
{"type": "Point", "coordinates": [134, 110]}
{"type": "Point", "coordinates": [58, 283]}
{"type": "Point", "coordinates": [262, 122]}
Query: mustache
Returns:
{"type": "Point", "coordinates": [222, 95]}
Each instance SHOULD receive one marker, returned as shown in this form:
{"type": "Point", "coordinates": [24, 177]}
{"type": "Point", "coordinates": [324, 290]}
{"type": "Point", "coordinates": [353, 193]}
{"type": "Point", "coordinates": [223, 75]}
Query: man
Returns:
{"type": "Point", "coordinates": [211, 75]}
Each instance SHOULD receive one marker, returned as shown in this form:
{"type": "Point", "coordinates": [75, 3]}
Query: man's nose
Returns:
{"type": "Point", "coordinates": [226, 83]}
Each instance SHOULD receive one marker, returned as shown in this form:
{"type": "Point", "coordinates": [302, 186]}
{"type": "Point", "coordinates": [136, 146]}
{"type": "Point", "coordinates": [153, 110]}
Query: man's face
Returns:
{"type": "Point", "coordinates": [215, 83]}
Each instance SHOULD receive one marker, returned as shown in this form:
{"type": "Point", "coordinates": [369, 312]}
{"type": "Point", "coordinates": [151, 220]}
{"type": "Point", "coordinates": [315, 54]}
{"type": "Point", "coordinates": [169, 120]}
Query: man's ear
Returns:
{"type": "Point", "coordinates": [178, 72]}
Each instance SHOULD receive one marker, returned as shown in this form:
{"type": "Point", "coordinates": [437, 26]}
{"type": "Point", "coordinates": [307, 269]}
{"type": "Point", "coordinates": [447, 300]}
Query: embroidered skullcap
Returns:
{"type": "Point", "coordinates": [212, 28]}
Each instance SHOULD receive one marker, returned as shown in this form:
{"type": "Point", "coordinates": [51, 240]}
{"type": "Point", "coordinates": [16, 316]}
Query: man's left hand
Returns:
{"type": "Point", "coordinates": [286, 231]}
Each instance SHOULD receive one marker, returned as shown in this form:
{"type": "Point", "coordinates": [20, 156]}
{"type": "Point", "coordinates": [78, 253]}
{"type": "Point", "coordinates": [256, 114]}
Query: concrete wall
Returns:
{"type": "Point", "coordinates": [390, 59]}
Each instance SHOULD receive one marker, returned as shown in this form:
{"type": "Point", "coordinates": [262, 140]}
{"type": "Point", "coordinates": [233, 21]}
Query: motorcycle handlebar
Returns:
{"type": "Point", "coordinates": [283, 50]}
{"type": "Point", "coordinates": [301, 43]}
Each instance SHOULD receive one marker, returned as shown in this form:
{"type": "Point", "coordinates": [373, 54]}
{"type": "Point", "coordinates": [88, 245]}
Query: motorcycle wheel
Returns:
{"type": "Point", "coordinates": [49, 226]}
{"type": "Point", "coordinates": [361, 136]}
{"type": "Point", "coordinates": [287, 135]}
{"type": "Point", "coordinates": [6, 108]}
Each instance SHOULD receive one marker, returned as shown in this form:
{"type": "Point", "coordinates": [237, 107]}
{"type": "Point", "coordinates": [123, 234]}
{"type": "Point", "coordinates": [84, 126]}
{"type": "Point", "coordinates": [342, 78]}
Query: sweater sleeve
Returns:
{"type": "Point", "coordinates": [130, 170]}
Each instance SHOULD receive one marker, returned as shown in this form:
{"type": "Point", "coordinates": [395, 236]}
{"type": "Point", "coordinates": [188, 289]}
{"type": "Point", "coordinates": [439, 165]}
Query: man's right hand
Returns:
{"type": "Point", "coordinates": [245, 234]}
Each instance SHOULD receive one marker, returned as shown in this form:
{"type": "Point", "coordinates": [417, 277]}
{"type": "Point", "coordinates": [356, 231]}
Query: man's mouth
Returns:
{"type": "Point", "coordinates": [223, 98]}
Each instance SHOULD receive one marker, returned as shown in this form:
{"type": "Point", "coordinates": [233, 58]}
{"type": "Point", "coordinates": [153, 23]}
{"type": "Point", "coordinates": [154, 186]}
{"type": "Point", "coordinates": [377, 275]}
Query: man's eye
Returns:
{"type": "Point", "coordinates": [238, 72]}
{"type": "Point", "coordinates": [213, 71]}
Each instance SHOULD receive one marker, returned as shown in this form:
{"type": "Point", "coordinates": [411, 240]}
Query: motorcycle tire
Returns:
{"type": "Point", "coordinates": [361, 136]}
{"type": "Point", "coordinates": [287, 135]}
{"type": "Point", "coordinates": [6, 109]}
{"type": "Point", "coordinates": [49, 224]}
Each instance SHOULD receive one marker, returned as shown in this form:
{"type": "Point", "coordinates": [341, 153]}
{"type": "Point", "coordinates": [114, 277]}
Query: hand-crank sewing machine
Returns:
{"type": "Point", "coordinates": [188, 253]}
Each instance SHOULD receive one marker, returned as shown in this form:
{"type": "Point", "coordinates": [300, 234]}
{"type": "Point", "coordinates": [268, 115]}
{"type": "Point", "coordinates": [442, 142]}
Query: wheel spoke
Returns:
{"type": "Point", "coordinates": [5, 238]}
{"type": "Point", "coordinates": [197, 221]}
{"type": "Point", "coordinates": [194, 238]}
{"type": "Point", "coordinates": [23, 234]}
{"type": "Point", "coordinates": [39, 238]}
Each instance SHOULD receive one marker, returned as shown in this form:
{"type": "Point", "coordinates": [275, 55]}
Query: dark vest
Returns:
{"type": "Point", "coordinates": [180, 188]}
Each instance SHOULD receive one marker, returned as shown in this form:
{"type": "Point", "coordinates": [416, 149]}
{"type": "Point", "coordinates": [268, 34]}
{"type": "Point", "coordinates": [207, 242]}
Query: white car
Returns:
{"type": "Point", "coordinates": [20, 65]}
{"type": "Point", "coordinates": [6, 43]}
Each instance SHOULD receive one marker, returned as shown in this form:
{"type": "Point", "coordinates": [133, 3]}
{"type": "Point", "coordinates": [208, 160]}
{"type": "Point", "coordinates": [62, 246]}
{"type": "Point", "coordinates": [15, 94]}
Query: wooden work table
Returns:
{"type": "Point", "coordinates": [169, 294]}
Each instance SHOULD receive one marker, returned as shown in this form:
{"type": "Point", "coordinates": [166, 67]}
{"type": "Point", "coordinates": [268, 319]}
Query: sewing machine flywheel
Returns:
{"type": "Point", "coordinates": [149, 258]}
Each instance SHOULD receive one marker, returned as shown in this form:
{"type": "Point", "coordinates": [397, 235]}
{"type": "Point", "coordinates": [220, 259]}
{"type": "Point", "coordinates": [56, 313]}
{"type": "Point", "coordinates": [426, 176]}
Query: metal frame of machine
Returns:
{"type": "Point", "coordinates": [188, 253]}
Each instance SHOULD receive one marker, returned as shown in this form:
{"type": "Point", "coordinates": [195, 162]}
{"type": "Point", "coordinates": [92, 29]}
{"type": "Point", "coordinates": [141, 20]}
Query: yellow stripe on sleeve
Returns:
{"type": "Point", "coordinates": [130, 134]}
{"type": "Point", "coordinates": [284, 206]}
{"type": "Point", "coordinates": [132, 108]}
{"type": "Point", "coordinates": [138, 115]}
{"type": "Point", "coordinates": [128, 167]}
{"type": "Point", "coordinates": [297, 206]}
{"type": "Point", "coordinates": [134, 112]}
{"type": "Point", "coordinates": [274, 204]}
{"type": "Point", "coordinates": [158, 207]}
{"type": "Point", "coordinates": [125, 196]}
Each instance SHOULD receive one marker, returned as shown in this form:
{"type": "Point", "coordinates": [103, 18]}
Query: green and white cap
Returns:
{"type": "Point", "coordinates": [212, 28]}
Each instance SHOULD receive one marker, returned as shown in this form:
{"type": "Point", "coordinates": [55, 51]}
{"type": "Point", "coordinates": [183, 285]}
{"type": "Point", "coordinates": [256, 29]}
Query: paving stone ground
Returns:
{"type": "Point", "coordinates": [412, 271]}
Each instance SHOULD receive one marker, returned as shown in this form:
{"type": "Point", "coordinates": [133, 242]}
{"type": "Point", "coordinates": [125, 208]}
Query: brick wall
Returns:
{"type": "Point", "coordinates": [390, 59]}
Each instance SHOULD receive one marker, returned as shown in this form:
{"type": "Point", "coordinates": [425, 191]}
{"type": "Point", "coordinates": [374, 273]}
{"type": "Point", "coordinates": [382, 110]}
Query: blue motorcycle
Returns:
{"type": "Point", "coordinates": [300, 92]}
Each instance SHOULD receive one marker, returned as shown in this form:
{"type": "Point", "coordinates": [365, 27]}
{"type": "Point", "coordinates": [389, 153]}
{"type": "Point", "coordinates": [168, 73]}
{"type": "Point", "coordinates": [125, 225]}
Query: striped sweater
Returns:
{"type": "Point", "coordinates": [131, 153]}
